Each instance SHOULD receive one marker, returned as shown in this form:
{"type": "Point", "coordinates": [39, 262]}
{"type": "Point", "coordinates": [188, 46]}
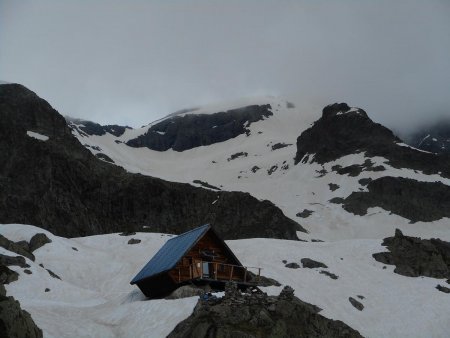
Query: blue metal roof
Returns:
{"type": "Point", "coordinates": [170, 253]}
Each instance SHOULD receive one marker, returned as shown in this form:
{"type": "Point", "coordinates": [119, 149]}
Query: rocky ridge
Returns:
{"type": "Point", "coordinates": [59, 185]}
{"type": "Point", "coordinates": [193, 130]}
{"type": "Point", "coordinates": [343, 130]}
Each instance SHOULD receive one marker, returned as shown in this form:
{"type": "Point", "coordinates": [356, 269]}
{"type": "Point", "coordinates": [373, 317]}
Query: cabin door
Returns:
{"type": "Point", "coordinates": [197, 268]}
{"type": "Point", "coordinates": [205, 270]}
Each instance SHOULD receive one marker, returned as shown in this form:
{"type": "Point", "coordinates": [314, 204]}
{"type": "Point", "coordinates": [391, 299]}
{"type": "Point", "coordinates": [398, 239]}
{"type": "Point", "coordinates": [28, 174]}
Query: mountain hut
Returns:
{"type": "Point", "coordinates": [198, 256]}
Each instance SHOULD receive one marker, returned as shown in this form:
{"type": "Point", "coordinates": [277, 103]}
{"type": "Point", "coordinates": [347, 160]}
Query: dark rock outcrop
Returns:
{"type": "Point", "coordinates": [193, 130]}
{"type": "Point", "coordinates": [277, 146]}
{"type": "Point", "coordinates": [259, 315]}
{"type": "Point", "coordinates": [13, 260]}
{"type": "Point", "coordinates": [134, 241]}
{"type": "Point", "coordinates": [415, 257]}
{"type": "Point", "coordinates": [355, 303]}
{"type": "Point", "coordinates": [59, 185]}
{"type": "Point", "coordinates": [333, 186]}
{"type": "Point", "coordinates": [15, 322]}
{"type": "Point", "coordinates": [52, 274]}
{"type": "Point", "coordinates": [312, 264]}
{"type": "Point", "coordinates": [20, 248]}
{"type": "Point", "coordinates": [85, 127]}
{"type": "Point", "coordinates": [305, 213]}
{"type": "Point", "coordinates": [329, 274]}
{"type": "Point", "coordinates": [38, 241]}
{"type": "Point", "coordinates": [292, 265]}
{"type": "Point", "coordinates": [343, 131]}
{"type": "Point", "coordinates": [443, 289]}
{"type": "Point", "coordinates": [7, 275]}
{"type": "Point", "coordinates": [414, 200]}
{"type": "Point", "coordinates": [356, 169]}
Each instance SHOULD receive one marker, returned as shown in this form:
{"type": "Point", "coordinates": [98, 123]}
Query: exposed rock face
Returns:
{"type": "Point", "coordinates": [415, 257]}
{"type": "Point", "coordinates": [91, 128]}
{"type": "Point", "coordinates": [414, 200]}
{"type": "Point", "coordinates": [343, 130]}
{"type": "Point", "coordinates": [134, 241]}
{"type": "Point", "coordinates": [190, 131]}
{"type": "Point", "coordinates": [59, 185]}
{"type": "Point", "coordinates": [15, 322]}
{"type": "Point", "coordinates": [258, 315]}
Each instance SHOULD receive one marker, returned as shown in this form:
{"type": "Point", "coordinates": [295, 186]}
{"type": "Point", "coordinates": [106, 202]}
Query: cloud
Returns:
{"type": "Point", "coordinates": [133, 62]}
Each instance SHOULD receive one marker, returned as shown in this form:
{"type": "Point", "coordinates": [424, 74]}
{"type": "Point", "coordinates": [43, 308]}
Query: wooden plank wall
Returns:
{"type": "Point", "coordinates": [183, 271]}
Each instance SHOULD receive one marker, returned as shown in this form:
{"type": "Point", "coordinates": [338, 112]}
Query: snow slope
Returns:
{"type": "Point", "coordinates": [271, 174]}
{"type": "Point", "coordinates": [94, 298]}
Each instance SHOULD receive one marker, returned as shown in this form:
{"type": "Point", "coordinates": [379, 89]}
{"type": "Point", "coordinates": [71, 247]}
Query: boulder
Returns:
{"type": "Point", "coordinates": [38, 240]}
{"type": "Point", "coordinates": [312, 264]}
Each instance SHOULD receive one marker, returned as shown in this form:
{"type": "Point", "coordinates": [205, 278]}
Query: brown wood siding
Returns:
{"type": "Point", "coordinates": [190, 267]}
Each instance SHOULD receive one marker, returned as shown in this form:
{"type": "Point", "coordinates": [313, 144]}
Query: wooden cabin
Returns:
{"type": "Point", "coordinates": [198, 256]}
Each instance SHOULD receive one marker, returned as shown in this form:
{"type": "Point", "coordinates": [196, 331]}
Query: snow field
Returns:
{"type": "Point", "coordinates": [94, 297]}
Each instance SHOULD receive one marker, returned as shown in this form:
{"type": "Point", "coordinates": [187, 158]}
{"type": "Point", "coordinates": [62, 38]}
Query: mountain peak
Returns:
{"type": "Point", "coordinates": [333, 136]}
{"type": "Point", "coordinates": [343, 108]}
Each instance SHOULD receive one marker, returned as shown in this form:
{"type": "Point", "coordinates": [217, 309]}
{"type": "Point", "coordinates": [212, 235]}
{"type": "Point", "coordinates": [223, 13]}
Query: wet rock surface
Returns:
{"type": "Point", "coordinates": [60, 186]}
{"type": "Point", "coordinates": [415, 257]}
{"type": "Point", "coordinates": [343, 130]}
{"type": "Point", "coordinates": [193, 130]}
{"type": "Point", "coordinates": [414, 200]}
{"type": "Point", "coordinates": [259, 315]}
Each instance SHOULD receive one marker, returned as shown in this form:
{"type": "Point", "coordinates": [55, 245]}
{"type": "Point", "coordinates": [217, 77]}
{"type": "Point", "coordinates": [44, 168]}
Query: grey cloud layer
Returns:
{"type": "Point", "coordinates": [135, 61]}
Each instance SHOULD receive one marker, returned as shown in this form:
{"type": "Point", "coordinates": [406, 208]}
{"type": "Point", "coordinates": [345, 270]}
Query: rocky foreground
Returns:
{"type": "Point", "coordinates": [248, 315]}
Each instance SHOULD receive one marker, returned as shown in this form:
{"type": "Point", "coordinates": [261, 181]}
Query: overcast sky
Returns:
{"type": "Point", "coordinates": [131, 62]}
